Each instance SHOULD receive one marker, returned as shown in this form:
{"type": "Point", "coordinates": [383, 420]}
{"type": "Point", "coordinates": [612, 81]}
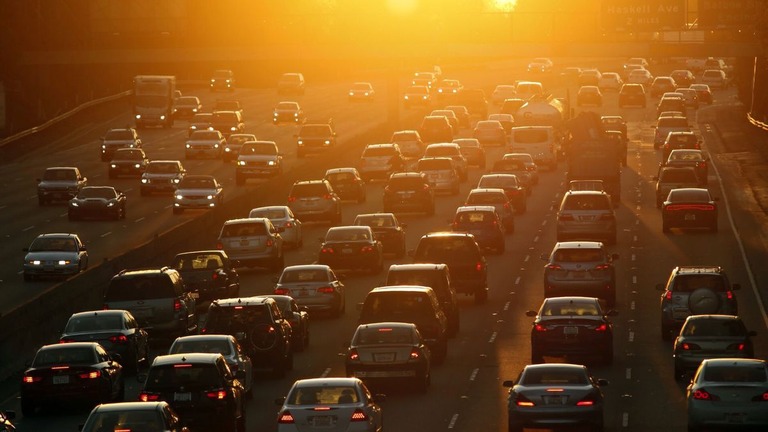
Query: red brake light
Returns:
{"type": "Point", "coordinates": [668, 295]}
{"type": "Point", "coordinates": [90, 375]}
{"type": "Point", "coordinates": [479, 266]}
{"type": "Point", "coordinates": [59, 367]}
{"type": "Point", "coordinates": [358, 415]}
{"type": "Point", "coordinates": [763, 397]}
{"type": "Point", "coordinates": [553, 266]}
{"type": "Point", "coordinates": [282, 291]}
{"type": "Point", "coordinates": [215, 275]}
{"type": "Point", "coordinates": [326, 290]}
{"type": "Point", "coordinates": [176, 305]}
{"type": "Point", "coordinates": [539, 328]}
{"type": "Point", "coordinates": [602, 327]}
{"type": "Point", "coordinates": [217, 394]}
{"type": "Point", "coordinates": [602, 267]}
{"type": "Point", "coordinates": [415, 355]}
{"type": "Point", "coordinates": [148, 397]}
{"type": "Point", "coordinates": [291, 199]}
{"type": "Point", "coordinates": [729, 294]}
{"type": "Point", "coordinates": [353, 355]}
{"type": "Point", "coordinates": [506, 205]}
{"type": "Point", "coordinates": [285, 417]}
{"type": "Point", "coordinates": [523, 401]}
{"type": "Point", "coordinates": [219, 245]}
{"type": "Point", "coordinates": [65, 340]}
{"type": "Point", "coordinates": [585, 402]}
{"type": "Point", "coordinates": [737, 346]}
{"type": "Point", "coordinates": [689, 346]}
{"type": "Point", "coordinates": [366, 249]}
{"type": "Point", "coordinates": [702, 394]}
{"type": "Point", "coordinates": [118, 339]}
{"type": "Point", "coordinates": [289, 224]}
{"type": "Point", "coordinates": [326, 250]}
{"type": "Point", "coordinates": [327, 196]}
{"type": "Point", "coordinates": [270, 242]}
{"type": "Point", "coordinates": [28, 379]}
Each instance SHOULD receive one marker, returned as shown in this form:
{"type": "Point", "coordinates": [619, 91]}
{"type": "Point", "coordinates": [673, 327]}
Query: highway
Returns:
{"type": "Point", "coordinates": [494, 343]}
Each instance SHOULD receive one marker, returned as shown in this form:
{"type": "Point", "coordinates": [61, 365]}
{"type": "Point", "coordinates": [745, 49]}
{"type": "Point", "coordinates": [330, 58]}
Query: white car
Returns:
{"type": "Point", "coordinates": [714, 78]}
{"type": "Point", "coordinates": [56, 254]}
{"type": "Point", "coordinates": [610, 81]}
{"type": "Point", "coordinates": [234, 143]}
{"type": "Point", "coordinates": [204, 143]}
{"type": "Point", "coordinates": [640, 76]}
{"type": "Point", "coordinates": [540, 64]}
{"type": "Point", "coordinates": [258, 159]}
{"type": "Point", "coordinates": [502, 92]}
{"type": "Point", "coordinates": [410, 143]}
{"type": "Point", "coordinates": [282, 217]}
{"type": "Point", "coordinates": [225, 345]}
{"type": "Point", "coordinates": [330, 405]}
{"type": "Point", "coordinates": [198, 192]}
{"type": "Point", "coordinates": [288, 112]}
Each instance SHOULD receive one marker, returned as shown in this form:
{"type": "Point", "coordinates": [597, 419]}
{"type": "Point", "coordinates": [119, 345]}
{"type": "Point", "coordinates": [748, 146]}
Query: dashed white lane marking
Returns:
{"type": "Point", "coordinates": [637, 222]}
{"type": "Point", "coordinates": [517, 281]}
{"type": "Point", "coordinates": [28, 228]}
{"type": "Point", "coordinates": [506, 306]}
{"type": "Point", "coordinates": [631, 336]}
{"type": "Point", "coordinates": [63, 214]}
{"type": "Point", "coordinates": [106, 234]}
{"type": "Point", "coordinates": [544, 222]}
{"type": "Point", "coordinates": [628, 373]}
{"type": "Point", "coordinates": [536, 239]}
{"type": "Point", "coordinates": [632, 305]}
{"type": "Point", "coordinates": [493, 338]}
{"type": "Point", "coordinates": [527, 257]}
{"type": "Point", "coordinates": [452, 423]}
{"type": "Point", "coordinates": [634, 239]}
{"type": "Point", "coordinates": [473, 375]}
{"type": "Point", "coordinates": [634, 257]}
{"type": "Point", "coordinates": [637, 208]}
{"type": "Point", "coordinates": [625, 420]}
{"type": "Point", "coordinates": [325, 373]}
{"type": "Point", "coordinates": [139, 220]}
{"type": "Point", "coordinates": [634, 279]}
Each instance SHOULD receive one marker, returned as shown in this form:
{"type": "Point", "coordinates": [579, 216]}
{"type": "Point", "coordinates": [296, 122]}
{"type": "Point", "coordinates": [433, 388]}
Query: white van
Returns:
{"type": "Point", "coordinates": [538, 141]}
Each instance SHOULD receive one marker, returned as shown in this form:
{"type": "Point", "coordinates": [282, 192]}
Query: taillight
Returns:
{"type": "Point", "coordinates": [288, 225]}
{"type": "Point", "coordinates": [539, 328]}
{"type": "Point", "coordinates": [203, 330]}
{"type": "Point", "coordinates": [553, 266]}
{"type": "Point", "coordinates": [118, 339]}
{"type": "Point", "coordinates": [90, 375]}
{"type": "Point", "coordinates": [105, 307]}
{"type": "Point", "coordinates": [219, 245]}
{"type": "Point", "coordinates": [176, 305]}
{"type": "Point", "coordinates": [506, 205]}
{"type": "Point", "coordinates": [587, 401]}
{"type": "Point", "coordinates": [729, 295]}
{"type": "Point", "coordinates": [668, 295]}
{"type": "Point", "coordinates": [366, 249]}
{"type": "Point", "coordinates": [215, 275]}
{"type": "Point", "coordinates": [702, 394]}
{"type": "Point", "coordinates": [66, 340]}
{"type": "Point", "coordinates": [353, 355]}
{"type": "Point", "coordinates": [602, 267]}
{"type": "Point", "coordinates": [326, 250]}
{"type": "Point", "coordinates": [270, 242]}
{"type": "Point", "coordinates": [737, 346]}
{"type": "Point", "coordinates": [28, 379]}
{"type": "Point", "coordinates": [523, 401]}
{"type": "Point", "coordinates": [358, 415]}
{"type": "Point", "coordinates": [291, 198]}
{"type": "Point", "coordinates": [425, 187]}
{"type": "Point", "coordinates": [326, 290]}
{"type": "Point", "coordinates": [327, 196]}
{"type": "Point", "coordinates": [216, 394]}
{"type": "Point", "coordinates": [415, 354]}
{"type": "Point", "coordinates": [761, 398]}
{"type": "Point", "coordinates": [689, 346]}
{"type": "Point", "coordinates": [282, 291]}
{"type": "Point", "coordinates": [285, 417]}
{"type": "Point", "coordinates": [149, 397]}
{"type": "Point", "coordinates": [479, 266]}
{"type": "Point", "coordinates": [601, 328]}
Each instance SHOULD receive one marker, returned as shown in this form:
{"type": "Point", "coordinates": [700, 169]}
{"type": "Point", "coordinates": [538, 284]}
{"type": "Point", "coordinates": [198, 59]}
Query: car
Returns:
{"type": "Point", "coordinates": [333, 404]}
{"type": "Point", "coordinates": [127, 161]}
{"type": "Point", "coordinates": [352, 248]}
{"type": "Point", "coordinates": [315, 138]}
{"type": "Point", "coordinates": [450, 150]}
{"type": "Point", "coordinates": [710, 336]}
{"type": "Point", "coordinates": [288, 112]}
{"type": "Point", "coordinates": [637, 62]}
{"type": "Point", "coordinates": [553, 395]}
{"type": "Point", "coordinates": [228, 122]}
{"type": "Point", "coordinates": [314, 286]}
{"type": "Point", "coordinates": [589, 77]}
{"type": "Point", "coordinates": [260, 328]}
{"type": "Point", "coordinates": [389, 352]}
{"type": "Point", "coordinates": [347, 183]}
{"type": "Point", "coordinates": [570, 75]}
{"type": "Point", "coordinates": [679, 140]}
{"type": "Point", "coordinates": [662, 84]}
{"type": "Point", "coordinates": [589, 95]}
{"type": "Point", "coordinates": [161, 176]}
{"type": "Point", "coordinates": [228, 105]}
{"type": "Point", "coordinates": [362, 91]}
{"type": "Point", "coordinates": [297, 316]}
{"type": "Point", "coordinates": [291, 83]}
{"type": "Point", "coordinates": [472, 151]}
{"type": "Point", "coordinates": [210, 274]}
{"type": "Point", "coordinates": [223, 79]}
{"type": "Point", "coordinates": [683, 77]}
{"type": "Point", "coordinates": [410, 143]}
{"type": "Point", "coordinates": [728, 393]}
{"type": "Point", "coordinates": [252, 242]}
{"type": "Point", "coordinates": [490, 132]}
{"type": "Point", "coordinates": [117, 139]}
{"type": "Point", "coordinates": [528, 89]}
{"type": "Point", "coordinates": [54, 254]}
{"type": "Point", "coordinates": [97, 201]}
{"type": "Point", "coordinates": [497, 198]}
{"type": "Point", "coordinates": [201, 388]}
{"type": "Point", "coordinates": [441, 173]}
{"type": "Point", "coordinates": [380, 161]}
{"type": "Point", "coordinates": [117, 331]}
{"type": "Point", "coordinates": [453, 120]}
{"type": "Point", "coordinates": [541, 64]}
{"type": "Point", "coordinates": [714, 78]}
{"type": "Point", "coordinates": [474, 100]}
{"type": "Point", "coordinates": [234, 144]}
{"type": "Point", "coordinates": [73, 371]}
{"type": "Point", "coordinates": [502, 92]}
{"type": "Point", "coordinates": [386, 229]}
{"type": "Point", "coordinates": [511, 105]}
{"type": "Point", "coordinates": [515, 167]}
{"type": "Point", "coordinates": [665, 125]}
{"type": "Point", "coordinates": [409, 303]}
{"type": "Point", "coordinates": [435, 129]}
{"type": "Point", "coordinates": [461, 253]}
{"type": "Point", "coordinates": [448, 88]}
{"type": "Point", "coordinates": [610, 81]}
{"type": "Point", "coordinates": [580, 268]}
{"type": "Point", "coordinates": [671, 102]}
{"type": "Point", "coordinates": [198, 192]}
{"type": "Point", "coordinates": [200, 121]}
{"type": "Point", "coordinates": [586, 215]}
{"type": "Point", "coordinates": [282, 217]}
{"type": "Point", "coordinates": [704, 93]}
{"type": "Point", "coordinates": [258, 159]}
{"type": "Point", "coordinates": [205, 144]}
{"type": "Point", "coordinates": [429, 78]}
{"type": "Point", "coordinates": [528, 162]}
{"type": "Point", "coordinates": [689, 208]}
{"type": "Point", "coordinates": [694, 158]}
{"type": "Point", "coordinates": [614, 123]}
{"type": "Point", "coordinates": [416, 95]}
{"type": "Point", "coordinates": [507, 121]}
{"type": "Point", "coordinates": [572, 327]}
{"type": "Point", "coordinates": [586, 185]}
{"type": "Point", "coordinates": [672, 177]}
{"type": "Point", "coordinates": [632, 94]}
{"type": "Point", "coordinates": [412, 191]}
{"type": "Point", "coordinates": [663, 114]}
{"type": "Point", "coordinates": [690, 96]}
{"type": "Point", "coordinates": [462, 113]}
{"type": "Point", "coordinates": [157, 298]}
{"type": "Point", "coordinates": [227, 346]}
{"type": "Point", "coordinates": [484, 223]}
{"type": "Point", "coordinates": [59, 184]}
{"type": "Point", "coordinates": [695, 290]}
{"type": "Point", "coordinates": [512, 187]}
{"type": "Point", "coordinates": [315, 200]}
{"type": "Point", "coordinates": [640, 76]}
{"type": "Point", "coordinates": [187, 107]}
{"type": "Point", "coordinates": [133, 416]}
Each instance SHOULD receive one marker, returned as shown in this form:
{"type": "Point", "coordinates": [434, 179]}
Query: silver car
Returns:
{"type": "Point", "coordinates": [234, 144]}
{"type": "Point", "coordinates": [582, 269]}
{"type": "Point", "coordinates": [315, 200]}
{"type": "Point", "coordinates": [258, 159]}
{"type": "Point", "coordinates": [198, 192]}
{"type": "Point", "coordinates": [253, 242]}
{"type": "Point", "coordinates": [161, 176]}
{"type": "Point", "coordinates": [441, 173]}
{"type": "Point", "coordinates": [205, 144]}
{"type": "Point", "coordinates": [225, 345]}
{"type": "Point", "coordinates": [56, 254]}
{"type": "Point", "coordinates": [380, 161]}
{"type": "Point", "coordinates": [123, 415]}
{"type": "Point", "coordinates": [315, 286]}
{"type": "Point", "coordinates": [586, 215]}
{"type": "Point", "coordinates": [710, 336]}
{"type": "Point", "coordinates": [282, 217]}
{"type": "Point", "coordinates": [449, 150]}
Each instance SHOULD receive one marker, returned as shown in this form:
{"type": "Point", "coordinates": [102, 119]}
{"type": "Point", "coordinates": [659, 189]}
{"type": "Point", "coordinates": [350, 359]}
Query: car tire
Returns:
{"type": "Point", "coordinates": [481, 296]}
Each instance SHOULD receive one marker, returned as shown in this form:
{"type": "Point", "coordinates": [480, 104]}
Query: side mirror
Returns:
{"type": "Point", "coordinates": [240, 336]}
{"type": "Point", "coordinates": [736, 287]}
{"type": "Point", "coordinates": [659, 287]}
{"type": "Point", "coordinates": [280, 401]}
{"type": "Point", "coordinates": [82, 248]}
{"type": "Point", "coordinates": [602, 382]}
{"type": "Point", "coordinates": [530, 313]}
{"type": "Point", "coordinates": [117, 357]}
{"type": "Point", "coordinates": [303, 309]}
{"type": "Point", "coordinates": [508, 383]}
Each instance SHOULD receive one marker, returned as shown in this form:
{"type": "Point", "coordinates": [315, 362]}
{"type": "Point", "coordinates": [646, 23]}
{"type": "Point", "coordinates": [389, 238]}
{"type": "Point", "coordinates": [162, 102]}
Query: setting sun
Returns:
{"type": "Point", "coordinates": [504, 5]}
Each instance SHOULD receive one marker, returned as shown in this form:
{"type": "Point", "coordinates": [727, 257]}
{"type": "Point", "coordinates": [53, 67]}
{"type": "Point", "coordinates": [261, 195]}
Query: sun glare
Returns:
{"type": "Point", "coordinates": [504, 5]}
{"type": "Point", "coordinates": [402, 7]}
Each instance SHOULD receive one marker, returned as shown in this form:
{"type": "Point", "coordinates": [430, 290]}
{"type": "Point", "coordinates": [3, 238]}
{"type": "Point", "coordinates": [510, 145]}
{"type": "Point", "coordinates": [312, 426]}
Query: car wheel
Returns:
{"type": "Point", "coordinates": [481, 296]}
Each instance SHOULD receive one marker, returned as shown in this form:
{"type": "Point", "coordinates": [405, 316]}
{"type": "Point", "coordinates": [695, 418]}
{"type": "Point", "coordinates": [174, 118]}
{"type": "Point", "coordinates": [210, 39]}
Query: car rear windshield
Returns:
{"type": "Point", "coordinates": [63, 356]}
{"type": "Point", "coordinates": [309, 190]}
{"type": "Point", "coordinates": [139, 288]}
{"type": "Point", "coordinates": [509, 165]}
{"type": "Point", "coordinates": [383, 336]}
{"type": "Point", "coordinates": [690, 283]}
{"type": "Point", "coordinates": [119, 134]}
{"type": "Point", "coordinates": [190, 376]}
{"type": "Point", "coordinates": [223, 319]}
{"type": "Point", "coordinates": [441, 249]}
{"type": "Point", "coordinates": [268, 213]}
{"type": "Point", "coordinates": [214, 346]}
{"type": "Point", "coordinates": [325, 395]}
{"type": "Point", "coordinates": [396, 306]}
{"type": "Point", "coordinates": [379, 151]}
{"type": "Point", "coordinates": [408, 183]}
{"type": "Point", "coordinates": [714, 327]}
{"type": "Point", "coordinates": [689, 195]}
{"type": "Point", "coordinates": [736, 374]}
{"type": "Point", "coordinates": [94, 323]}
{"type": "Point", "coordinates": [579, 308]}
{"type": "Point", "coordinates": [586, 202]}
{"type": "Point", "coordinates": [546, 376]}
{"type": "Point", "coordinates": [50, 244]}
{"type": "Point", "coordinates": [304, 275]}
{"type": "Point", "coordinates": [348, 234]}
{"type": "Point", "coordinates": [244, 230]}
{"type": "Point", "coordinates": [668, 122]}
{"type": "Point", "coordinates": [442, 151]}
{"type": "Point", "coordinates": [486, 198]}
{"type": "Point", "coordinates": [497, 182]}
{"type": "Point", "coordinates": [578, 255]}
{"type": "Point", "coordinates": [474, 217]}
{"type": "Point", "coordinates": [189, 262]}
{"type": "Point", "coordinates": [530, 136]}
{"type": "Point", "coordinates": [414, 277]}
{"type": "Point", "coordinates": [681, 138]}
{"type": "Point", "coordinates": [678, 176]}
{"type": "Point", "coordinates": [375, 221]}
{"type": "Point", "coordinates": [434, 164]}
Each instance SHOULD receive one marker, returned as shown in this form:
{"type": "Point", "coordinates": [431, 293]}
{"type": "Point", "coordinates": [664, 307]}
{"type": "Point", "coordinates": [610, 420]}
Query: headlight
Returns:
{"type": "Point", "coordinates": [137, 166]}
{"type": "Point", "coordinates": [228, 81]}
{"type": "Point", "coordinates": [131, 145]}
{"type": "Point", "coordinates": [276, 114]}
{"type": "Point", "coordinates": [194, 109]}
{"type": "Point", "coordinates": [233, 128]}
{"type": "Point", "coordinates": [111, 204]}
{"type": "Point", "coordinates": [103, 147]}
{"type": "Point", "coordinates": [210, 197]}
{"type": "Point", "coordinates": [176, 180]}
{"type": "Point", "coordinates": [351, 94]}
{"type": "Point", "coordinates": [162, 117]}
{"type": "Point", "coordinates": [271, 163]}
{"type": "Point", "coordinates": [138, 116]}
{"type": "Point", "coordinates": [113, 165]}
{"type": "Point", "coordinates": [74, 204]}
{"type": "Point", "coordinates": [424, 97]}
{"type": "Point", "coordinates": [300, 142]}
{"type": "Point", "coordinates": [193, 127]}
{"type": "Point", "coordinates": [35, 262]}
{"type": "Point", "coordinates": [439, 90]}
{"type": "Point", "coordinates": [241, 162]}
{"type": "Point", "coordinates": [216, 145]}
{"type": "Point", "coordinates": [145, 181]}
{"type": "Point", "coordinates": [179, 196]}
{"type": "Point", "coordinates": [213, 80]}
{"type": "Point", "coordinates": [327, 142]}
{"type": "Point", "coordinates": [406, 97]}
{"type": "Point", "coordinates": [366, 93]}
{"type": "Point", "coordinates": [189, 146]}
{"type": "Point", "coordinates": [295, 114]}
{"type": "Point", "coordinates": [64, 262]}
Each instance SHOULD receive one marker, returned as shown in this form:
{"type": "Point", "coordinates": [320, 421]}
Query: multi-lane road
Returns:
{"type": "Point", "coordinates": [493, 343]}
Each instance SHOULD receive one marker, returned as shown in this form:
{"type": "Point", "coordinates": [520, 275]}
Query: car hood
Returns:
{"type": "Point", "coordinates": [196, 191]}
{"type": "Point", "coordinates": [161, 175]}
{"type": "Point", "coordinates": [205, 141]}
{"type": "Point", "coordinates": [93, 200]}
{"type": "Point", "coordinates": [120, 142]}
{"type": "Point", "coordinates": [58, 183]}
{"type": "Point", "coordinates": [51, 255]}
{"type": "Point", "coordinates": [257, 157]}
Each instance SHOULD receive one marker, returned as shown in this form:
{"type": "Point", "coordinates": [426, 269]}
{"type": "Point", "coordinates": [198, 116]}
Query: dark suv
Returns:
{"type": "Point", "coordinates": [469, 270]}
{"type": "Point", "coordinates": [409, 191]}
{"type": "Point", "coordinates": [632, 94]}
{"type": "Point", "coordinates": [201, 389]}
{"type": "Point", "coordinates": [117, 139]}
{"type": "Point", "coordinates": [695, 290]}
{"type": "Point", "coordinates": [436, 129]}
{"type": "Point", "coordinates": [259, 326]}
{"type": "Point", "coordinates": [228, 122]}
{"type": "Point", "coordinates": [208, 274]}
{"type": "Point", "coordinates": [157, 298]}
{"type": "Point", "coordinates": [435, 276]}
{"type": "Point", "coordinates": [315, 138]}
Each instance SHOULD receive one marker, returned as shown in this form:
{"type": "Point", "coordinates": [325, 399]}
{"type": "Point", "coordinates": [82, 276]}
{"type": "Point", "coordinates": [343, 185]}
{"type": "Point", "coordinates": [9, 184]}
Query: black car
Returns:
{"type": "Point", "coordinates": [201, 389]}
{"type": "Point", "coordinates": [347, 183]}
{"type": "Point", "coordinates": [351, 248]}
{"type": "Point", "coordinates": [632, 94]}
{"type": "Point", "coordinates": [386, 229]}
{"type": "Point", "coordinates": [468, 268]}
{"type": "Point", "coordinates": [129, 162]}
{"type": "Point", "coordinates": [407, 192]}
{"type": "Point", "coordinates": [117, 331]}
{"type": "Point", "coordinates": [259, 326]}
{"type": "Point", "coordinates": [116, 139]}
{"type": "Point", "coordinates": [315, 138]}
{"type": "Point", "coordinates": [298, 316]}
{"type": "Point", "coordinates": [571, 327]}
{"type": "Point", "coordinates": [689, 208]}
{"type": "Point", "coordinates": [679, 140]}
{"type": "Point", "coordinates": [81, 371]}
{"type": "Point", "coordinates": [187, 107]}
{"type": "Point", "coordinates": [97, 201]}
{"type": "Point", "coordinates": [208, 273]}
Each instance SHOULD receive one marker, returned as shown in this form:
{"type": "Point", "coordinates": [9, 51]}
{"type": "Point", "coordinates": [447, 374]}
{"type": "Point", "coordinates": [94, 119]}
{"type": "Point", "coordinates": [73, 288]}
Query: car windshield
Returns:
{"type": "Point", "coordinates": [383, 336]}
{"type": "Point", "coordinates": [586, 202]}
{"type": "Point", "coordinates": [681, 138]}
{"type": "Point", "coordinates": [269, 149]}
{"type": "Point", "coordinates": [315, 130]}
{"type": "Point", "coordinates": [474, 217]}
{"type": "Point", "coordinates": [570, 308]}
{"type": "Point", "coordinates": [64, 355]}
{"type": "Point", "coordinates": [692, 282]}
{"type": "Point", "coordinates": [714, 327]}
{"type": "Point", "coordinates": [288, 106]}
{"type": "Point", "coordinates": [304, 275]}
{"type": "Point", "coordinates": [486, 198]}
{"type": "Point", "coordinates": [97, 192]}
{"type": "Point", "coordinates": [163, 168]}
{"type": "Point", "coordinates": [322, 395]}
{"type": "Point", "coordinates": [290, 79]}
{"type": "Point", "coordinates": [187, 375]}
{"type": "Point", "coordinates": [667, 122]}
{"type": "Point", "coordinates": [736, 374]}
{"type": "Point", "coordinates": [213, 346]}
{"type": "Point", "coordinates": [53, 244]}
{"type": "Point", "coordinates": [361, 86]}
{"type": "Point", "coordinates": [189, 262]}
{"type": "Point", "coordinates": [439, 250]}
{"type": "Point", "coordinates": [379, 151]}
{"type": "Point", "coordinates": [94, 323]}
{"type": "Point", "coordinates": [244, 230]}
{"type": "Point", "coordinates": [224, 117]}
{"type": "Point", "coordinates": [578, 255]}
{"type": "Point", "coordinates": [413, 277]}
{"type": "Point", "coordinates": [119, 134]}
{"type": "Point", "coordinates": [128, 420]}
{"type": "Point", "coordinates": [375, 221]}
{"type": "Point", "coordinates": [553, 376]}
{"type": "Point", "coordinates": [197, 183]}
{"type": "Point", "coordinates": [680, 195]}
{"type": "Point", "coordinates": [347, 234]}
{"type": "Point", "coordinates": [144, 288]}
{"type": "Point", "coordinates": [268, 213]}
{"type": "Point", "coordinates": [204, 135]}
{"type": "Point", "coordinates": [222, 74]}
{"type": "Point", "coordinates": [60, 175]}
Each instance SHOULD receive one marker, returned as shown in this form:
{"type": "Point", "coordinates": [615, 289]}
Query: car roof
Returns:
{"type": "Point", "coordinates": [388, 324]}
{"type": "Point", "coordinates": [350, 228]}
{"type": "Point", "coordinates": [713, 317]}
{"type": "Point", "coordinates": [206, 337]}
{"type": "Point", "coordinates": [569, 299]}
{"type": "Point", "coordinates": [487, 190]}
{"type": "Point", "coordinates": [479, 208]}
{"type": "Point", "coordinates": [410, 173]}
{"type": "Point", "coordinates": [240, 301]}
{"type": "Point", "coordinates": [69, 345]}
{"type": "Point", "coordinates": [341, 170]}
{"type": "Point", "coordinates": [108, 312]}
{"type": "Point", "coordinates": [414, 266]}
{"type": "Point", "coordinates": [734, 362]}
{"type": "Point", "coordinates": [246, 220]}
{"type": "Point", "coordinates": [199, 358]}
{"type": "Point", "coordinates": [307, 267]}
{"type": "Point", "coordinates": [332, 381]}
{"type": "Point", "coordinates": [55, 235]}
{"type": "Point", "coordinates": [579, 245]}
{"type": "Point", "coordinates": [403, 288]}
{"type": "Point", "coordinates": [585, 192]}
{"type": "Point", "coordinates": [558, 366]}
{"type": "Point", "coordinates": [380, 214]}
{"type": "Point", "coordinates": [130, 406]}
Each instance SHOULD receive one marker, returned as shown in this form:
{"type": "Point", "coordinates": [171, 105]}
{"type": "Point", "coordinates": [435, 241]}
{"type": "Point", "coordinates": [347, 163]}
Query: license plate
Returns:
{"type": "Point", "coordinates": [384, 357]}
{"type": "Point", "coordinates": [735, 417]}
{"type": "Point", "coordinates": [690, 217]}
{"type": "Point", "coordinates": [577, 275]}
{"type": "Point", "coordinates": [347, 251]}
{"type": "Point", "coordinates": [320, 421]}
{"type": "Point", "coordinates": [182, 397]}
{"type": "Point", "coordinates": [194, 295]}
{"type": "Point", "coordinates": [570, 330]}
{"type": "Point", "coordinates": [554, 400]}
{"type": "Point", "coordinates": [61, 379]}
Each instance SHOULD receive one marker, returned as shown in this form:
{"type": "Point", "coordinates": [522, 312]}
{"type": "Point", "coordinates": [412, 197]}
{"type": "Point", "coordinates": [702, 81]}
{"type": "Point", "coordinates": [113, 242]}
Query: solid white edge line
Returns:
{"type": "Point", "coordinates": [452, 423]}
{"type": "Point", "coordinates": [474, 373]}
{"type": "Point", "coordinates": [736, 234]}
{"type": "Point", "coordinates": [628, 373]}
